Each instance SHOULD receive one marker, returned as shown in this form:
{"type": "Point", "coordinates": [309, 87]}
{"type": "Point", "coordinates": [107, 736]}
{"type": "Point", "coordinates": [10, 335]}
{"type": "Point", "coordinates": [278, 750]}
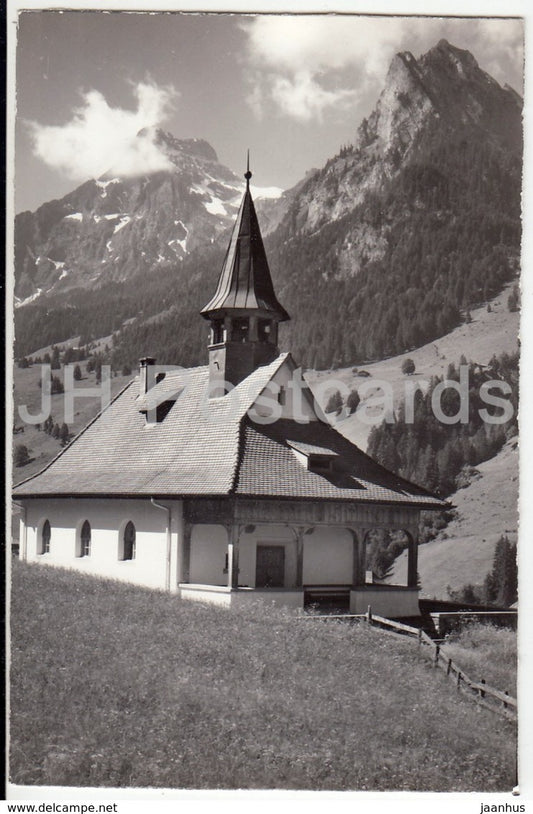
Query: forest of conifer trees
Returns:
{"type": "Point", "coordinates": [434, 454]}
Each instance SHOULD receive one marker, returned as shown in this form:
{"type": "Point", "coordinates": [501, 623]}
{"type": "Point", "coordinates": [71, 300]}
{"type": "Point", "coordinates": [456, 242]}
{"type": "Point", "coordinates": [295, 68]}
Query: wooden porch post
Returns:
{"type": "Point", "coordinates": [412, 558]}
{"type": "Point", "coordinates": [186, 552]}
{"type": "Point", "coordinates": [233, 557]}
{"type": "Point", "coordinates": [253, 335]}
{"type": "Point", "coordinates": [299, 531]}
{"type": "Point", "coordinates": [356, 559]}
{"type": "Point", "coordinates": [359, 556]}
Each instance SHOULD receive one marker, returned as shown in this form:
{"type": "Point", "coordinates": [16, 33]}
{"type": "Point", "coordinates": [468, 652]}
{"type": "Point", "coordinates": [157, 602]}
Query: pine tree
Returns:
{"type": "Point", "coordinates": [335, 403]}
{"type": "Point", "coordinates": [353, 401]}
{"type": "Point", "coordinates": [504, 573]}
{"type": "Point", "coordinates": [56, 385]}
{"type": "Point", "coordinates": [55, 363]}
{"type": "Point", "coordinates": [513, 301]}
{"type": "Point", "coordinates": [408, 367]}
{"type": "Point", "coordinates": [21, 455]}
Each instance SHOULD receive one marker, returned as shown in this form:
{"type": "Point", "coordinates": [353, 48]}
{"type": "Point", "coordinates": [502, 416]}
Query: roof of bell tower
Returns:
{"type": "Point", "coordinates": [245, 282]}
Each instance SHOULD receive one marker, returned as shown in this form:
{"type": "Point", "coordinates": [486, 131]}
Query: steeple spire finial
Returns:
{"type": "Point", "coordinates": [247, 174]}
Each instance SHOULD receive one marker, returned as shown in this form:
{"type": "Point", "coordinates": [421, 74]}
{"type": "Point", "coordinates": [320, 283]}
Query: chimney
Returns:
{"type": "Point", "coordinates": [146, 377]}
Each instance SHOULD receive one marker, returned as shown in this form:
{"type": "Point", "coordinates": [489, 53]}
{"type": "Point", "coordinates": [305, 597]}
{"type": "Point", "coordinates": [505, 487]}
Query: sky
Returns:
{"type": "Point", "coordinates": [291, 88]}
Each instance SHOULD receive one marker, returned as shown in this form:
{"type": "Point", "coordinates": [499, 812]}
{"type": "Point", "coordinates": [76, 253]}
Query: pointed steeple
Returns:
{"type": "Point", "coordinates": [245, 284]}
{"type": "Point", "coordinates": [244, 313]}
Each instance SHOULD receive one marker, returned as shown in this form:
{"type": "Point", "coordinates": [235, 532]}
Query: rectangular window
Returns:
{"type": "Point", "coordinates": [264, 330]}
{"type": "Point", "coordinates": [218, 331]}
{"type": "Point", "coordinates": [319, 463]}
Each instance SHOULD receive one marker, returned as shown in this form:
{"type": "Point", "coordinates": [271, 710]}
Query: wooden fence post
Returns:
{"type": "Point", "coordinates": [437, 651]}
{"type": "Point", "coordinates": [482, 692]}
{"type": "Point", "coordinates": [504, 704]}
{"type": "Point", "coordinates": [459, 677]}
{"type": "Point", "coordinates": [369, 614]}
{"type": "Point", "coordinates": [419, 638]}
{"type": "Point", "coordinates": [449, 667]}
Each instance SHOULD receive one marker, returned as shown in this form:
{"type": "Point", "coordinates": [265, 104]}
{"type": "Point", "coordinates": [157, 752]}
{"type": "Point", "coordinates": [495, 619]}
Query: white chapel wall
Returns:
{"type": "Point", "coordinates": [209, 548]}
{"type": "Point", "coordinates": [265, 535]}
{"type": "Point", "coordinates": [108, 519]}
{"type": "Point", "coordinates": [328, 556]}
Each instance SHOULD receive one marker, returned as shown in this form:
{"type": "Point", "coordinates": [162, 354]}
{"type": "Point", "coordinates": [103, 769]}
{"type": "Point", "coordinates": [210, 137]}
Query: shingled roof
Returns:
{"type": "Point", "coordinates": [269, 467]}
{"type": "Point", "coordinates": [212, 447]}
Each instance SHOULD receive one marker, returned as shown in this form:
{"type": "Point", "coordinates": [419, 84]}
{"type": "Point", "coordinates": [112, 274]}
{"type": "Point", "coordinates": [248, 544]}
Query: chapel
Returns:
{"type": "Point", "coordinates": [225, 482]}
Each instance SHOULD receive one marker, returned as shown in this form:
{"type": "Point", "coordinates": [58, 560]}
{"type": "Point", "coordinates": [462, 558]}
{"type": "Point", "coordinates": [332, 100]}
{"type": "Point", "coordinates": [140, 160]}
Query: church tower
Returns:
{"type": "Point", "coordinates": [244, 313]}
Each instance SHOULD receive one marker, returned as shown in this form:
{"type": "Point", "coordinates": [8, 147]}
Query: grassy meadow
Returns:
{"type": "Point", "coordinates": [114, 685]}
{"type": "Point", "coordinates": [485, 651]}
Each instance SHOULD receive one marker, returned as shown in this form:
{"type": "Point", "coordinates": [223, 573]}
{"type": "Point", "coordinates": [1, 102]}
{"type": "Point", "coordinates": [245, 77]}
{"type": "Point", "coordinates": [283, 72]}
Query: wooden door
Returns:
{"type": "Point", "coordinates": [270, 566]}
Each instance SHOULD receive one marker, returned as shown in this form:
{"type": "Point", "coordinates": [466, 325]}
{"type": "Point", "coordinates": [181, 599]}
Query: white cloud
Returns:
{"type": "Point", "coordinates": [99, 137]}
{"type": "Point", "coordinates": [323, 42]}
{"type": "Point", "coordinates": [303, 98]}
{"type": "Point", "coordinates": [305, 55]}
{"type": "Point", "coordinates": [303, 65]}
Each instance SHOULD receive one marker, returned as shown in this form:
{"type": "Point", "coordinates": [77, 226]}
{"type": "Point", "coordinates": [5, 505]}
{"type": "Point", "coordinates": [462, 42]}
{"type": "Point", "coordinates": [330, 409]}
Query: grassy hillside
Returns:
{"type": "Point", "coordinates": [43, 447]}
{"type": "Point", "coordinates": [113, 685]}
{"type": "Point", "coordinates": [488, 333]}
{"type": "Point", "coordinates": [485, 651]}
{"type": "Point", "coordinates": [464, 551]}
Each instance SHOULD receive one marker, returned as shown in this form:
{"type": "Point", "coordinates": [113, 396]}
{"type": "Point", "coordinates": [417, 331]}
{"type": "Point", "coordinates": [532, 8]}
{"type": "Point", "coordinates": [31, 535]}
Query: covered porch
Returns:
{"type": "Point", "coordinates": [291, 552]}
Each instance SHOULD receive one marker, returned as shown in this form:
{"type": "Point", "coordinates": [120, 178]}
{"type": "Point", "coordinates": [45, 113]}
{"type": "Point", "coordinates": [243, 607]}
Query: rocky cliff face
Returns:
{"type": "Point", "coordinates": [438, 96]}
{"type": "Point", "coordinates": [113, 228]}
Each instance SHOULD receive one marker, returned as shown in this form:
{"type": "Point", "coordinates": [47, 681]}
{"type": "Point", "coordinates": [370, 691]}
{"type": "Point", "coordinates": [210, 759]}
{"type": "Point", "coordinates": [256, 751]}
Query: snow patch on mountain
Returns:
{"type": "Point", "coordinates": [124, 220]}
{"type": "Point", "coordinates": [19, 303]}
{"type": "Point", "coordinates": [216, 207]}
{"type": "Point", "coordinates": [103, 185]}
{"type": "Point", "coordinates": [267, 193]}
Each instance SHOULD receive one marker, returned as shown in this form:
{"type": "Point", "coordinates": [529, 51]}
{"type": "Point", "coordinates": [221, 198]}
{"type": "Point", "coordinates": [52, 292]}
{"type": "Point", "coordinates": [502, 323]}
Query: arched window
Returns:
{"type": "Point", "coordinates": [45, 536]}
{"type": "Point", "coordinates": [128, 548]}
{"type": "Point", "coordinates": [85, 539]}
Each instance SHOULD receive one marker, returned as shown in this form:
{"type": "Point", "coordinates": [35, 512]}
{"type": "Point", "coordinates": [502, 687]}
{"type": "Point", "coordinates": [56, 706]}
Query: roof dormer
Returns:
{"type": "Point", "coordinates": [315, 459]}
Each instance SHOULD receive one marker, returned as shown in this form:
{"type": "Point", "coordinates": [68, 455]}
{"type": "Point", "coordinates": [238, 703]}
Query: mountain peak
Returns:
{"type": "Point", "coordinates": [195, 147]}
{"type": "Point", "coordinates": [445, 56]}
{"type": "Point", "coordinates": [445, 87]}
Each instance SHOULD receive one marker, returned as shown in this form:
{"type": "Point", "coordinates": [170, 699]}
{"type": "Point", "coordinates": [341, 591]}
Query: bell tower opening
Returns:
{"type": "Point", "coordinates": [244, 312]}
